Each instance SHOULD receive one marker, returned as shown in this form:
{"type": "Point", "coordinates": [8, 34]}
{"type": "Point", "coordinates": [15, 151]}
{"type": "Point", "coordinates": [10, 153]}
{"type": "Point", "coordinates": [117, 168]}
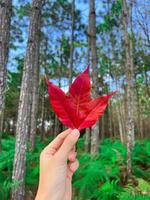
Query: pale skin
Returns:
{"type": "Point", "coordinates": [55, 173]}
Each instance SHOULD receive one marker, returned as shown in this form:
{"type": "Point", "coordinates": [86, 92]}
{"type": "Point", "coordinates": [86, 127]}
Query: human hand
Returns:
{"type": "Point", "coordinates": [55, 172]}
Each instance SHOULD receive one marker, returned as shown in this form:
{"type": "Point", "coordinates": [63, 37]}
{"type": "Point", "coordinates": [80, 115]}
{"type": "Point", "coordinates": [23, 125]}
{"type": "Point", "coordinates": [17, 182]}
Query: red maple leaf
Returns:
{"type": "Point", "coordinates": [77, 109]}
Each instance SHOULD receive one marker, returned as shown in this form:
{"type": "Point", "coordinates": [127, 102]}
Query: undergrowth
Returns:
{"type": "Point", "coordinates": [101, 177]}
{"type": "Point", "coordinates": [6, 166]}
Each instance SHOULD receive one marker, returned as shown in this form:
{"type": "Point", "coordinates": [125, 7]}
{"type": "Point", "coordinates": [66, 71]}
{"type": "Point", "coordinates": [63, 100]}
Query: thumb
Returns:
{"type": "Point", "coordinates": [68, 145]}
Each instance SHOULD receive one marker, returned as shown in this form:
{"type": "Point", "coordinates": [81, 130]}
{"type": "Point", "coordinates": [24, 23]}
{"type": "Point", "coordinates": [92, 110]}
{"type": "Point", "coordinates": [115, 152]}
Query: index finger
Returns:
{"type": "Point", "coordinates": [57, 142]}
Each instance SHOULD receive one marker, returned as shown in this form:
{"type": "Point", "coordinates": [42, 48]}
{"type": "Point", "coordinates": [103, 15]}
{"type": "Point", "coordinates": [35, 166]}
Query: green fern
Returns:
{"type": "Point", "coordinates": [141, 159]}
{"type": "Point", "coordinates": [97, 177]}
{"type": "Point", "coordinates": [143, 186]}
{"type": "Point", "coordinates": [108, 191]}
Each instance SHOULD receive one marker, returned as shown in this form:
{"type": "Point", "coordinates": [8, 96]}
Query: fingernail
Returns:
{"type": "Point", "coordinates": [75, 132]}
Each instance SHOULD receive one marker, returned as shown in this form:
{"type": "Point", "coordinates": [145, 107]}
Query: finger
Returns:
{"type": "Point", "coordinates": [72, 167]}
{"type": "Point", "coordinates": [70, 172]}
{"type": "Point", "coordinates": [72, 156]}
{"type": "Point", "coordinates": [74, 148]}
{"type": "Point", "coordinates": [68, 145]}
{"type": "Point", "coordinates": [57, 142]}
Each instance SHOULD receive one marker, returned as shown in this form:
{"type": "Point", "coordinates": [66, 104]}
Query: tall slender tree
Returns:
{"type": "Point", "coordinates": [94, 63]}
{"type": "Point", "coordinates": [25, 97]}
{"type": "Point", "coordinates": [87, 144]}
{"type": "Point", "coordinates": [5, 20]}
{"type": "Point", "coordinates": [72, 41]}
{"type": "Point", "coordinates": [129, 73]}
{"type": "Point", "coordinates": [35, 84]}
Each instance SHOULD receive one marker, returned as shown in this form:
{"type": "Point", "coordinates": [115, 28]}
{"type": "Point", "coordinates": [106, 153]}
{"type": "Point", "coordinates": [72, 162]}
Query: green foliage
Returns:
{"type": "Point", "coordinates": [12, 93]}
{"type": "Point", "coordinates": [141, 192]}
{"type": "Point", "coordinates": [6, 160]}
{"type": "Point", "coordinates": [141, 159]}
{"type": "Point", "coordinates": [144, 186]}
{"type": "Point", "coordinates": [6, 166]}
{"type": "Point", "coordinates": [98, 177]}
{"type": "Point", "coordinates": [109, 190]}
{"type": "Point", "coordinates": [111, 19]}
{"type": "Point", "coordinates": [143, 98]}
{"type": "Point", "coordinates": [24, 10]}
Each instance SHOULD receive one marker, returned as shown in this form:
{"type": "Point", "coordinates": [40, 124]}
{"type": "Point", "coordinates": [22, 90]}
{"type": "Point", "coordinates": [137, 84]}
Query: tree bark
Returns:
{"type": "Point", "coordinates": [72, 42]}
{"type": "Point", "coordinates": [43, 88]}
{"type": "Point", "coordinates": [120, 116]}
{"type": "Point", "coordinates": [34, 107]}
{"type": "Point", "coordinates": [22, 128]}
{"type": "Point", "coordinates": [129, 73]}
{"type": "Point", "coordinates": [94, 62]}
{"type": "Point", "coordinates": [35, 84]}
{"type": "Point", "coordinates": [87, 140]}
{"type": "Point", "coordinates": [57, 126]}
{"type": "Point", "coordinates": [87, 143]}
{"type": "Point", "coordinates": [121, 133]}
{"type": "Point", "coordinates": [5, 20]}
{"type": "Point", "coordinates": [42, 129]}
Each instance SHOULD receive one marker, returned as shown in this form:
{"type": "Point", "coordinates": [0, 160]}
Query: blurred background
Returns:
{"type": "Point", "coordinates": [59, 38]}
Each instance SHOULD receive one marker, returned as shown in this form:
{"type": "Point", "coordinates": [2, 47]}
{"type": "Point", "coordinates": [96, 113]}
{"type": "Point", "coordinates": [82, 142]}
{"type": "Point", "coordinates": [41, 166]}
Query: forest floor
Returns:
{"type": "Point", "coordinates": [102, 177]}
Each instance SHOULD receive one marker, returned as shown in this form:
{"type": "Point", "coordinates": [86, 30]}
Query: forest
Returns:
{"type": "Point", "coordinates": [58, 39]}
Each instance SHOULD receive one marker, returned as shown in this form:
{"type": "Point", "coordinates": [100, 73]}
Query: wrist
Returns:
{"type": "Point", "coordinates": [41, 195]}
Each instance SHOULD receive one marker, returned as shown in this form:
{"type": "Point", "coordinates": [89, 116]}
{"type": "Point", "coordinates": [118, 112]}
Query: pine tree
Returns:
{"type": "Point", "coordinates": [129, 73]}
{"type": "Point", "coordinates": [71, 61]}
{"type": "Point", "coordinates": [94, 63]}
{"type": "Point", "coordinates": [5, 20]}
{"type": "Point", "coordinates": [35, 83]}
{"type": "Point", "coordinates": [23, 121]}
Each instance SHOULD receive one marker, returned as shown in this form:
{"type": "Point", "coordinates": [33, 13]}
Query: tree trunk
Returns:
{"type": "Point", "coordinates": [87, 143]}
{"type": "Point", "coordinates": [121, 133]}
{"type": "Point", "coordinates": [34, 107]}
{"type": "Point", "coordinates": [43, 88]}
{"type": "Point", "coordinates": [24, 109]}
{"type": "Point", "coordinates": [138, 127]}
{"type": "Point", "coordinates": [94, 62]}
{"type": "Point", "coordinates": [87, 140]}
{"type": "Point", "coordinates": [35, 85]}
{"type": "Point", "coordinates": [119, 115]}
{"type": "Point", "coordinates": [147, 82]}
{"type": "Point", "coordinates": [42, 129]}
{"type": "Point", "coordinates": [129, 73]}
{"type": "Point", "coordinates": [72, 42]}
{"type": "Point", "coordinates": [5, 20]}
{"type": "Point", "coordinates": [57, 126]}
{"type": "Point", "coordinates": [110, 127]}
